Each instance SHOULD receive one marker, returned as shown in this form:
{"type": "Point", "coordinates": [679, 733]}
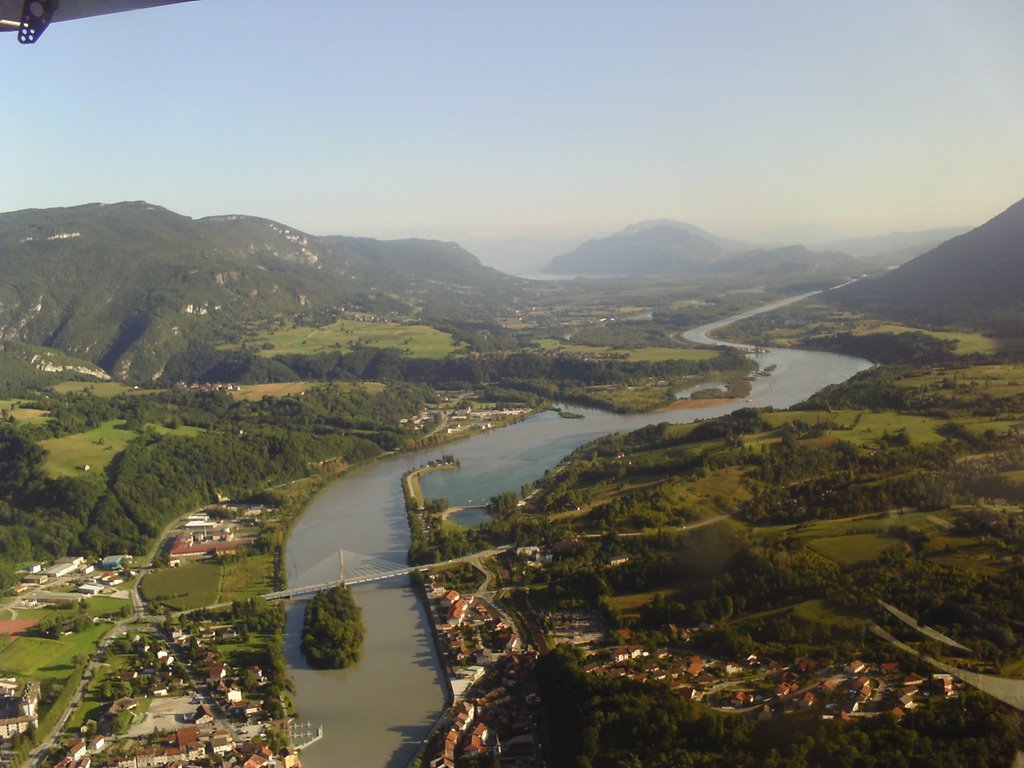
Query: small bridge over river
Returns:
{"type": "Point", "coordinates": [352, 568]}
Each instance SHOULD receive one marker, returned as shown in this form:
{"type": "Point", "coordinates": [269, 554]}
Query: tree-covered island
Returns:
{"type": "Point", "coordinates": [332, 634]}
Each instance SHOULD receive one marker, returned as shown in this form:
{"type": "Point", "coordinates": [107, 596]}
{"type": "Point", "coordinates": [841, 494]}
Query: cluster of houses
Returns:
{"type": "Point", "coordinates": [19, 705]}
{"type": "Point", "coordinates": [153, 672]}
{"type": "Point", "coordinates": [492, 683]}
{"type": "Point", "coordinates": [463, 417]}
{"type": "Point", "coordinates": [182, 748]}
{"type": "Point", "coordinates": [497, 720]}
{"type": "Point", "coordinates": [765, 689]}
{"type": "Point", "coordinates": [207, 386]}
{"type": "Point", "coordinates": [229, 695]}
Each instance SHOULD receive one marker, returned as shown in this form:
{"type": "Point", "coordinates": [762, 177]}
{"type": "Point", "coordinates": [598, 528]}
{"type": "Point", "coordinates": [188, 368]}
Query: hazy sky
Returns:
{"type": "Point", "coordinates": [774, 120]}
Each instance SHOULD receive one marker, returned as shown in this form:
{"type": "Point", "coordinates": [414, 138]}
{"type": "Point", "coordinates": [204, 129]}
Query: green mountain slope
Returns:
{"type": "Point", "coordinates": [976, 278]}
{"type": "Point", "coordinates": [129, 285]}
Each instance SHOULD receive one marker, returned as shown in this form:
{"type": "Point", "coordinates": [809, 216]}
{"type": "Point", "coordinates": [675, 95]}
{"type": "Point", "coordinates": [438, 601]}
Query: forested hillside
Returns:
{"type": "Point", "coordinates": [976, 279]}
{"type": "Point", "coordinates": [184, 450]}
{"type": "Point", "coordinates": [130, 285]}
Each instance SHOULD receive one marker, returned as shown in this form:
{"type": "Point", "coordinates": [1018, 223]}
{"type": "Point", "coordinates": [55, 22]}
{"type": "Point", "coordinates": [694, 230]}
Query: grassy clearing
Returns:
{"type": "Point", "coordinates": [632, 603]}
{"type": "Point", "coordinates": [855, 548]}
{"type": "Point", "coordinates": [240, 655]}
{"type": "Point", "coordinates": [639, 399]}
{"type": "Point", "coordinates": [641, 354]}
{"type": "Point", "coordinates": [247, 577]}
{"type": "Point", "coordinates": [1004, 380]}
{"type": "Point", "coordinates": [182, 431]}
{"type": "Point", "coordinates": [863, 428]}
{"type": "Point", "coordinates": [190, 585]}
{"type": "Point", "coordinates": [254, 392]}
{"type": "Point", "coordinates": [15, 409]}
{"type": "Point", "coordinates": [28, 414]}
{"type": "Point", "coordinates": [99, 388]}
{"type": "Point", "coordinates": [105, 606]}
{"type": "Point", "coordinates": [39, 657]}
{"type": "Point", "coordinates": [416, 340]}
{"type": "Point", "coordinates": [97, 448]}
{"type": "Point", "coordinates": [828, 613]}
{"type": "Point", "coordinates": [720, 491]}
{"type": "Point", "coordinates": [966, 342]}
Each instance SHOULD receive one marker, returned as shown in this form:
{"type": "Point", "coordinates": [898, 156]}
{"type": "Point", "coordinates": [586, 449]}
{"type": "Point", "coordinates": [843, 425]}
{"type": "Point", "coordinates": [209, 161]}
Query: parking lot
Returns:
{"type": "Point", "coordinates": [165, 714]}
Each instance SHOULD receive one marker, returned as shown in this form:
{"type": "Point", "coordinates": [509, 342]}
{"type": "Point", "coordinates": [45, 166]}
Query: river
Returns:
{"type": "Point", "coordinates": [377, 712]}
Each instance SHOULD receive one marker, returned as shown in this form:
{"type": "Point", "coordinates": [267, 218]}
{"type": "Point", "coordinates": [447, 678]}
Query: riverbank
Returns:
{"type": "Point", "coordinates": [700, 402]}
{"type": "Point", "coordinates": [378, 711]}
{"type": "Point", "coordinates": [412, 479]}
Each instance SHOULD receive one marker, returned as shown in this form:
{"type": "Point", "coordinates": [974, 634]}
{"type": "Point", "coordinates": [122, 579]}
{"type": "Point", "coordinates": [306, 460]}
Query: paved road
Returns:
{"type": "Point", "coordinates": [139, 614]}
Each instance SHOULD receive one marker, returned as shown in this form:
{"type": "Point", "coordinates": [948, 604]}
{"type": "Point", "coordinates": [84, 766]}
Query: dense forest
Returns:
{"type": "Point", "coordinates": [523, 368]}
{"type": "Point", "coordinates": [332, 632]}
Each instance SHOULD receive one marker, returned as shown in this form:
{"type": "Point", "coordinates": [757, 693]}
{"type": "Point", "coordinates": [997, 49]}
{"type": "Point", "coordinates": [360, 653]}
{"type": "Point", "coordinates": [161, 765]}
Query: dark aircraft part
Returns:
{"type": "Point", "coordinates": [31, 17]}
{"type": "Point", "coordinates": [36, 16]}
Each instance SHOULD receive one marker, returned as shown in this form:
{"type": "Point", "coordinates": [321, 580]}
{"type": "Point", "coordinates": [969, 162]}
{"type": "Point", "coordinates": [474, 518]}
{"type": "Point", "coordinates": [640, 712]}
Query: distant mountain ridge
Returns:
{"type": "Point", "coordinates": [677, 248]}
{"type": "Point", "coordinates": [128, 285]}
{"type": "Point", "coordinates": [976, 277]}
{"type": "Point", "coordinates": [893, 248]}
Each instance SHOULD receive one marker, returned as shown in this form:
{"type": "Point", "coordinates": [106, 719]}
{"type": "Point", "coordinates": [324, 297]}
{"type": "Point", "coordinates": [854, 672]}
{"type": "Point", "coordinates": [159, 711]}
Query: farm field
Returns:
{"type": "Point", "coordinates": [41, 657]}
{"type": "Point", "coordinates": [966, 343]}
{"type": "Point", "coordinates": [855, 548]}
{"type": "Point", "coordinates": [999, 380]}
{"type": "Point", "coordinates": [416, 340]}
{"type": "Point", "coordinates": [25, 415]}
{"type": "Point", "coordinates": [825, 612]}
{"type": "Point", "coordinates": [253, 392]}
{"type": "Point", "coordinates": [864, 427]}
{"type": "Point", "coordinates": [643, 354]}
{"type": "Point", "coordinates": [97, 448]}
{"type": "Point", "coordinates": [190, 585]}
{"type": "Point", "coordinates": [632, 603]}
{"type": "Point", "coordinates": [98, 388]}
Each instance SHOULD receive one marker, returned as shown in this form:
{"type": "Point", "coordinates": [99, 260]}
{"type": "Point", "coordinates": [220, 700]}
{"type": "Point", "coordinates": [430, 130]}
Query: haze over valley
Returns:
{"type": "Point", "coordinates": [541, 386]}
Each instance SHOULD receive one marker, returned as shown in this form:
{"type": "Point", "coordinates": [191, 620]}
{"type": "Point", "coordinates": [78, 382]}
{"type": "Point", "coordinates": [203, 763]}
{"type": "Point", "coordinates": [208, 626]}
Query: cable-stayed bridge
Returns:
{"type": "Point", "coordinates": [352, 568]}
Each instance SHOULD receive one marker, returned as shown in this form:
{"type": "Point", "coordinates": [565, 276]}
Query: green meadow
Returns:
{"type": "Point", "coordinates": [41, 657]}
{"type": "Point", "coordinates": [96, 447]}
{"type": "Point", "coordinates": [416, 340]}
{"type": "Point", "coordinates": [188, 586]}
{"type": "Point", "coordinates": [642, 354]}
{"type": "Point", "coordinates": [98, 388]}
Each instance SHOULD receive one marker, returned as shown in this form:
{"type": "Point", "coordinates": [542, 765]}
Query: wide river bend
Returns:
{"type": "Point", "coordinates": [377, 712]}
